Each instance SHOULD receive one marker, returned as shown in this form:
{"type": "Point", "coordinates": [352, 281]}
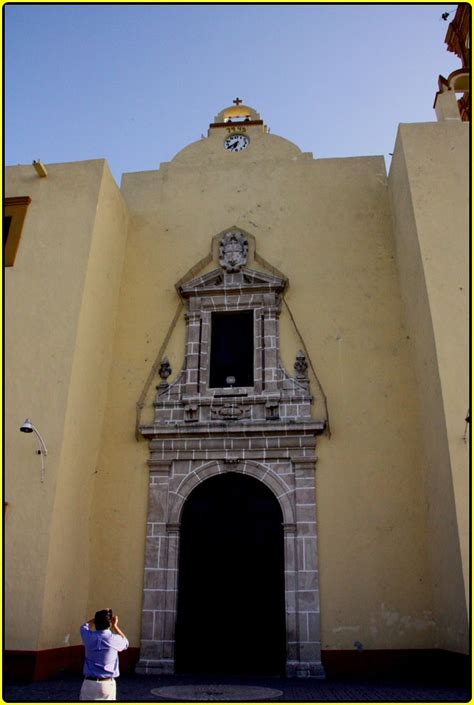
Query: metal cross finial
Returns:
{"type": "Point", "coordinates": [237, 101]}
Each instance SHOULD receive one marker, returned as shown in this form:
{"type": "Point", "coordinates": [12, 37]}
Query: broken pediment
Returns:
{"type": "Point", "coordinates": [220, 281]}
{"type": "Point", "coordinates": [234, 247]}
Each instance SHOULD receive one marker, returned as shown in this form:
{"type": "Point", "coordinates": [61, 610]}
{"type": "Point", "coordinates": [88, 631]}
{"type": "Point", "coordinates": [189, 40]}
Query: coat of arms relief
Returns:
{"type": "Point", "coordinates": [233, 251]}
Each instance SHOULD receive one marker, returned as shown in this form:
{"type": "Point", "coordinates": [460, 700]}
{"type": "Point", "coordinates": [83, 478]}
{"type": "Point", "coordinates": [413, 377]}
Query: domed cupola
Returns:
{"type": "Point", "coordinates": [237, 119]}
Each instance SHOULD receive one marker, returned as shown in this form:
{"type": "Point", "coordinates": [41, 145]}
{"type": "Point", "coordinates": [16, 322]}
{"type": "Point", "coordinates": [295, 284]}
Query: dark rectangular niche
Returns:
{"type": "Point", "coordinates": [232, 336]}
{"type": "Point", "coordinates": [7, 221]}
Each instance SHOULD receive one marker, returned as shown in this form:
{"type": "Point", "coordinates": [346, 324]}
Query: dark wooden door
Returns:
{"type": "Point", "coordinates": [231, 608]}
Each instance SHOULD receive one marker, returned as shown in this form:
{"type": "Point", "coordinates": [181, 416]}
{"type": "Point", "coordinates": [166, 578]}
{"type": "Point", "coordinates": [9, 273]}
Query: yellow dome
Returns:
{"type": "Point", "coordinates": [238, 113]}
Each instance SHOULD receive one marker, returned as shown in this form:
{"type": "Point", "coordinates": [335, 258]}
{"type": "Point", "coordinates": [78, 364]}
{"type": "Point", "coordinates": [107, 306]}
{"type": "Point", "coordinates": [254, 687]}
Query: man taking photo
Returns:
{"type": "Point", "coordinates": [103, 639]}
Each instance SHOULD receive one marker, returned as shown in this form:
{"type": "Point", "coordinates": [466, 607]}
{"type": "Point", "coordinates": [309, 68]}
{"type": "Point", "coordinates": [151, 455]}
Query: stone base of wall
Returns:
{"type": "Point", "coordinates": [28, 666]}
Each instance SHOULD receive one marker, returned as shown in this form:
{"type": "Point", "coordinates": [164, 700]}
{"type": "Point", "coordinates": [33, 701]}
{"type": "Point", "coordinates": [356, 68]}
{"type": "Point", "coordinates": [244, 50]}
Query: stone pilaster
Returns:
{"type": "Point", "coordinates": [307, 579]}
{"type": "Point", "coordinates": [193, 352]}
{"type": "Point", "coordinates": [155, 577]}
{"type": "Point", "coordinates": [292, 622]}
{"type": "Point", "coordinates": [271, 350]}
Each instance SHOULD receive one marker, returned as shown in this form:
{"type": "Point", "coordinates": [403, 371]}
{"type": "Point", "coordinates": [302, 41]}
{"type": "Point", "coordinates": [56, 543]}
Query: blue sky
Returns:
{"type": "Point", "coordinates": [136, 83]}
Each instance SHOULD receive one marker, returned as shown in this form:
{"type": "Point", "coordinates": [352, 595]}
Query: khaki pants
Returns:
{"type": "Point", "coordinates": [98, 690]}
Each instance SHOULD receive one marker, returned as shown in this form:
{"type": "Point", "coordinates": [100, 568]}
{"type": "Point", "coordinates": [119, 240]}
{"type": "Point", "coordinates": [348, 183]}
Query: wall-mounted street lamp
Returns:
{"type": "Point", "coordinates": [40, 167]}
{"type": "Point", "coordinates": [28, 427]}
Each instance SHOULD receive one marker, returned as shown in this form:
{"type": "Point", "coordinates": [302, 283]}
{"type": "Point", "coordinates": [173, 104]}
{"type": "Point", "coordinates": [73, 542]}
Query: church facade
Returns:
{"type": "Point", "coordinates": [250, 370]}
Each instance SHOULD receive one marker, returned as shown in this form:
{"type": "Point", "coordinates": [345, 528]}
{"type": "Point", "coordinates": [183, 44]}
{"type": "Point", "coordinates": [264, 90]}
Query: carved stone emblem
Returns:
{"type": "Point", "coordinates": [271, 410]}
{"type": "Point", "coordinates": [231, 411]}
{"type": "Point", "coordinates": [233, 251]}
{"type": "Point", "coordinates": [191, 412]}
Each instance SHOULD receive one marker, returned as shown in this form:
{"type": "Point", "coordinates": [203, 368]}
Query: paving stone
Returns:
{"type": "Point", "coordinates": [138, 688]}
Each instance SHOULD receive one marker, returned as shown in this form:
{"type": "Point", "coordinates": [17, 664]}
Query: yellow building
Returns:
{"type": "Point", "coordinates": [250, 371]}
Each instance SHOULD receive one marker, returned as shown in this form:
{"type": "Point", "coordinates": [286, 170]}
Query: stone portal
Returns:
{"type": "Point", "coordinates": [258, 425]}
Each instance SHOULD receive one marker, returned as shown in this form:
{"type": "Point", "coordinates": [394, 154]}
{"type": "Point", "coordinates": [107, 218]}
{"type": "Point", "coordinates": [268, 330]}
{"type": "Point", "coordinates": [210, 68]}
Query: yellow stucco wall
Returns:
{"type": "Point", "coordinates": [326, 224]}
{"type": "Point", "coordinates": [60, 316]}
{"type": "Point", "coordinates": [68, 561]}
{"type": "Point", "coordinates": [429, 191]}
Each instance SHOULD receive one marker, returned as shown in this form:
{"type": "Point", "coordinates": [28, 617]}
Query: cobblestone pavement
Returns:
{"type": "Point", "coordinates": [134, 688]}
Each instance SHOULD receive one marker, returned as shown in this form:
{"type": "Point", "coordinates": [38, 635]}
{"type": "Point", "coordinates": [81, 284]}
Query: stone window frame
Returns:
{"type": "Point", "coordinates": [232, 303]}
{"type": "Point", "coordinates": [247, 388]}
{"type": "Point", "coordinates": [221, 291]}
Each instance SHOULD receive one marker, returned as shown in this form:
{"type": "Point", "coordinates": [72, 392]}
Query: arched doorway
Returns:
{"type": "Point", "coordinates": [231, 604]}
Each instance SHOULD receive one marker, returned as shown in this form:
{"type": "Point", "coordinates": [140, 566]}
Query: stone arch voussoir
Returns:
{"type": "Point", "coordinates": [259, 471]}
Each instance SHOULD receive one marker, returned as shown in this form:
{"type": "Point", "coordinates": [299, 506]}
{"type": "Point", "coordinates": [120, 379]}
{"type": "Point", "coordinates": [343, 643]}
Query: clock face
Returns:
{"type": "Point", "coordinates": [236, 143]}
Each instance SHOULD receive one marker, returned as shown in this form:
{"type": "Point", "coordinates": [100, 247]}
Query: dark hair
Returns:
{"type": "Point", "coordinates": [103, 619]}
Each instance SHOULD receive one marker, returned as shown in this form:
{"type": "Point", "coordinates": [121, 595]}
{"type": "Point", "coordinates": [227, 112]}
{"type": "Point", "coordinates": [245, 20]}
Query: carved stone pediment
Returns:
{"type": "Point", "coordinates": [217, 281]}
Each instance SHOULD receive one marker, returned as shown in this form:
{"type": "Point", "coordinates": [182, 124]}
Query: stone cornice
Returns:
{"type": "Point", "coordinates": [233, 428]}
